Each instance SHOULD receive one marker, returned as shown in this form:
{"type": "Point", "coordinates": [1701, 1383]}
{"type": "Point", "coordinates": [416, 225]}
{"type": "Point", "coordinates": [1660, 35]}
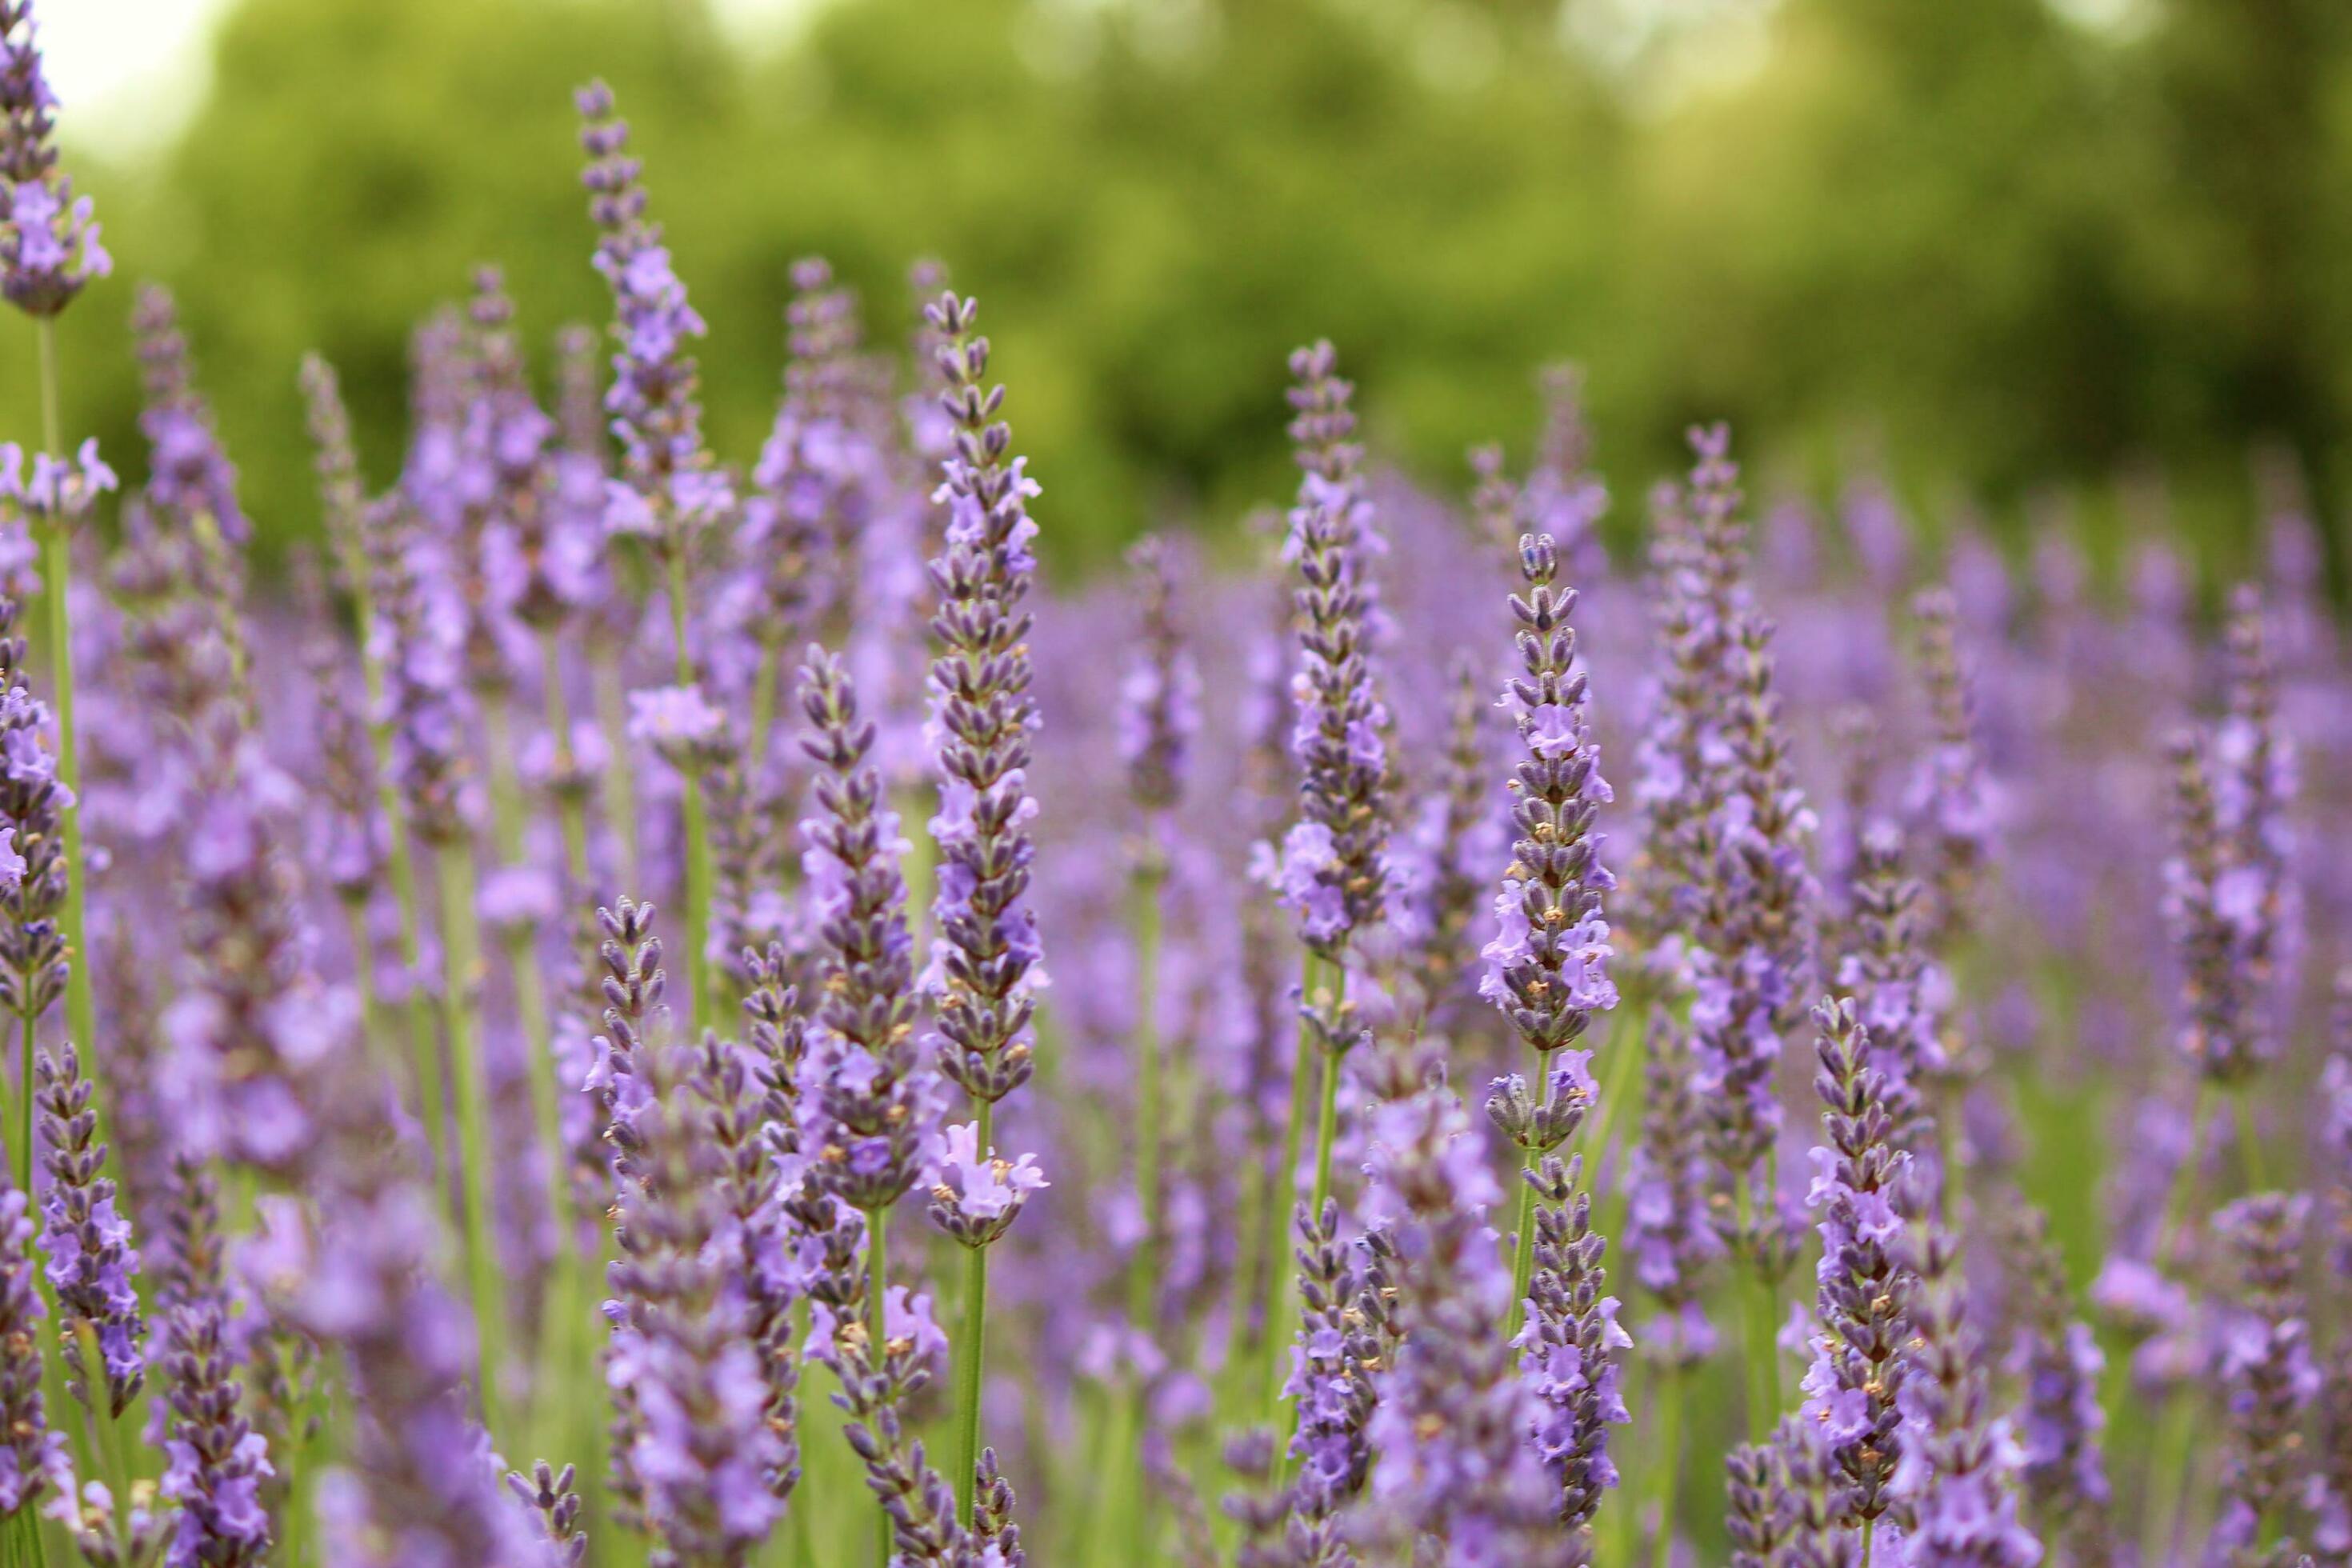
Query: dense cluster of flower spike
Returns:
{"type": "Point", "coordinates": [463, 1252]}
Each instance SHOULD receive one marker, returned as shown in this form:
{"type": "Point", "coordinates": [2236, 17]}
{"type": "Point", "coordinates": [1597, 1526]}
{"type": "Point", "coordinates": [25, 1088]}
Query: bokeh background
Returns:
{"type": "Point", "coordinates": [2062, 262]}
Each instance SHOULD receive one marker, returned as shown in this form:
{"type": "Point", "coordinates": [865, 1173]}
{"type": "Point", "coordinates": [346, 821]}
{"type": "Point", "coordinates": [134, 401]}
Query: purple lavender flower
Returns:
{"type": "Point", "coordinates": [93, 1267]}
{"type": "Point", "coordinates": [1569, 1349]}
{"type": "Point", "coordinates": [1951, 795]}
{"type": "Point", "coordinates": [1343, 1333]}
{"type": "Point", "coordinates": [1160, 696]}
{"type": "Point", "coordinates": [1864, 1299]}
{"type": "Point", "coordinates": [32, 1456]}
{"type": "Point", "coordinates": [1956, 1481]}
{"type": "Point", "coordinates": [1448, 856]}
{"type": "Point", "coordinates": [59, 492]}
{"type": "Point", "coordinates": [1667, 1234]}
{"type": "Point", "coordinates": [32, 802]}
{"type": "Point", "coordinates": [983, 713]}
{"type": "Point", "coordinates": [2061, 1423]}
{"type": "Point", "coordinates": [1760, 1511]}
{"type": "Point", "coordinates": [217, 1463]}
{"type": "Point", "coordinates": [1448, 1436]}
{"type": "Point", "coordinates": [419, 640]}
{"type": "Point", "coordinates": [2216, 907]}
{"type": "Point", "coordinates": [189, 478]}
{"type": "Point", "coordinates": [1547, 965]}
{"type": "Point", "coordinates": [875, 1104]}
{"type": "Point", "coordinates": [2266, 1363]}
{"type": "Point", "coordinates": [1333, 873]}
{"type": "Point", "coordinates": [48, 240]}
{"type": "Point", "coordinates": [669, 489]}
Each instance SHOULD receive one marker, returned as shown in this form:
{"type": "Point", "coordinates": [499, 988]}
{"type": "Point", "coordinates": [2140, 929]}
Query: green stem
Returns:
{"type": "Point", "coordinates": [620, 779]}
{"type": "Point", "coordinates": [1326, 1124]}
{"type": "Point", "coordinates": [1278, 1283]}
{"type": "Point", "coordinates": [1763, 1357]}
{"type": "Point", "coordinates": [697, 824]}
{"type": "Point", "coordinates": [2184, 1180]}
{"type": "Point", "coordinates": [1670, 1463]}
{"type": "Point", "coordinates": [57, 564]}
{"type": "Point", "coordinates": [2168, 1461]}
{"type": "Point", "coordinates": [1629, 1039]}
{"type": "Point", "coordinates": [111, 1451]}
{"type": "Point", "coordinates": [970, 1349]}
{"type": "Point", "coordinates": [453, 872]}
{"type": "Point", "coordinates": [1523, 1263]}
{"type": "Point", "coordinates": [1869, 1539]}
{"type": "Point", "coordinates": [764, 704]}
{"type": "Point", "coordinates": [27, 1026]}
{"type": "Point", "coordinates": [1142, 1271]}
{"type": "Point", "coordinates": [878, 1286]}
{"type": "Point", "coordinates": [2250, 1140]}
{"type": "Point", "coordinates": [559, 729]}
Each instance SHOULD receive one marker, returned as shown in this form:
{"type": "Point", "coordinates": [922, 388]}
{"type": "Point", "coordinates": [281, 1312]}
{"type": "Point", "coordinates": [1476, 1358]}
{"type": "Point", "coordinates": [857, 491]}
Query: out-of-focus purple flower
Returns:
{"type": "Point", "coordinates": [1334, 873]}
{"type": "Point", "coordinates": [669, 489]}
{"type": "Point", "coordinates": [1160, 696]}
{"type": "Point", "coordinates": [1958, 1477]}
{"type": "Point", "coordinates": [2060, 1422]}
{"type": "Point", "coordinates": [678, 722]}
{"type": "Point", "coordinates": [1448, 1437]}
{"type": "Point", "coordinates": [1951, 795]}
{"type": "Point", "coordinates": [48, 239]}
{"type": "Point", "coordinates": [1667, 1232]}
{"type": "Point", "coordinates": [190, 479]}
{"type": "Point", "coordinates": [2265, 1359]}
{"type": "Point", "coordinates": [59, 491]}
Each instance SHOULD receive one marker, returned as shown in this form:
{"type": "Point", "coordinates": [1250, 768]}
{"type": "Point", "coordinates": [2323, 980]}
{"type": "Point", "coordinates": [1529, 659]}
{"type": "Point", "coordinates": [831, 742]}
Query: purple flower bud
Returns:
{"type": "Point", "coordinates": [48, 240]}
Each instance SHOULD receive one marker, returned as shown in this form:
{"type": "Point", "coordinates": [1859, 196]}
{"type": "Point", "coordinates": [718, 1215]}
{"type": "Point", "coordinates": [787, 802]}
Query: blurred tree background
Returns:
{"type": "Point", "coordinates": [1997, 250]}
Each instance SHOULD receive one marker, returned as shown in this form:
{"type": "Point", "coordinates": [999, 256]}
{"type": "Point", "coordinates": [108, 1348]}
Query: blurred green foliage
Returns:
{"type": "Point", "coordinates": [1983, 245]}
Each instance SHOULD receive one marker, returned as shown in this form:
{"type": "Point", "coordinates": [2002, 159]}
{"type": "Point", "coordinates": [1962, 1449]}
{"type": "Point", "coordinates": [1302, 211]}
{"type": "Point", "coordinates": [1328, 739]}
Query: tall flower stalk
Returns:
{"type": "Point", "coordinates": [1332, 872]}
{"type": "Point", "coordinates": [670, 492]}
{"type": "Point", "coordinates": [986, 955]}
{"type": "Point", "coordinates": [49, 251]}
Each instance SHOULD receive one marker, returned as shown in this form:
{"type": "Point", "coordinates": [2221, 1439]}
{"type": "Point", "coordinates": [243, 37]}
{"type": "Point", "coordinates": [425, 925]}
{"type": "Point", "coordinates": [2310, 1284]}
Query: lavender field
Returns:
{"type": "Point", "coordinates": [654, 1005]}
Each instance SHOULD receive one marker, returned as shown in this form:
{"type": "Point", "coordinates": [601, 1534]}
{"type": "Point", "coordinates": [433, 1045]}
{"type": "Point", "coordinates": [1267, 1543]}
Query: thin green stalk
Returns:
{"type": "Point", "coordinates": [1327, 1125]}
{"type": "Point", "coordinates": [697, 823]}
{"type": "Point", "coordinates": [1278, 1284]}
{"type": "Point", "coordinates": [559, 729]}
{"type": "Point", "coordinates": [2170, 1457]}
{"type": "Point", "coordinates": [1769, 1319]}
{"type": "Point", "coordinates": [763, 701]}
{"type": "Point", "coordinates": [26, 1024]}
{"type": "Point", "coordinates": [620, 779]}
{"type": "Point", "coordinates": [2184, 1179]}
{"type": "Point", "coordinates": [57, 565]}
{"type": "Point", "coordinates": [1629, 1039]}
{"type": "Point", "coordinates": [1869, 1539]}
{"type": "Point", "coordinates": [877, 1277]}
{"type": "Point", "coordinates": [1523, 1263]}
{"type": "Point", "coordinates": [1143, 1271]}
{"type": "Point", "coordinates": [971, 1351]}
{"type": "Point", "coordinates": [1670, 1463]}
{"type": "Point", "coordinates": [111, 1452]}
{"type": "Point", "coordinates": [1756, 1315]}
{"type": "Point", "coordinates": [453, 872]}
{"type": "Point", "coordinates": [2250, 1140]}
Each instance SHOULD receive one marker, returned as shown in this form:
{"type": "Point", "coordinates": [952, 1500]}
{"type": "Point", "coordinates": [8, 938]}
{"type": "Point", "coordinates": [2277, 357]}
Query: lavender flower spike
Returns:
{"type": "Point", "coordinates": [2266, 1361]}
{"type": "Point", "coordinates": [1864, 1299]}
{"type": "Point", "coordinates": [670, 489]}
{"type": "Point", "coordinates": [1333, 872]}
{"type": "Point", "coordinates": [984, 714]}
{"type": "Point", "coordinates": [93, 1267]}
{"type": "Point", "coordinates": [32, 1456]}
{"type": "Point", "coordinates": [1547, 965]}
{"type": "Point", "coordinates": [48, 241]}
{"type": "Point", "coordinates": [1448, 1438]}
{"type": "Point", "coordinates": [1159, 697]}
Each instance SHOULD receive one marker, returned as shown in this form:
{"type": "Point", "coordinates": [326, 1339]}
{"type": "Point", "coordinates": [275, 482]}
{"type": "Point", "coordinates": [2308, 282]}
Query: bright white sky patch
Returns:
{"type": "Point", "coordinates": [130, 72]}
